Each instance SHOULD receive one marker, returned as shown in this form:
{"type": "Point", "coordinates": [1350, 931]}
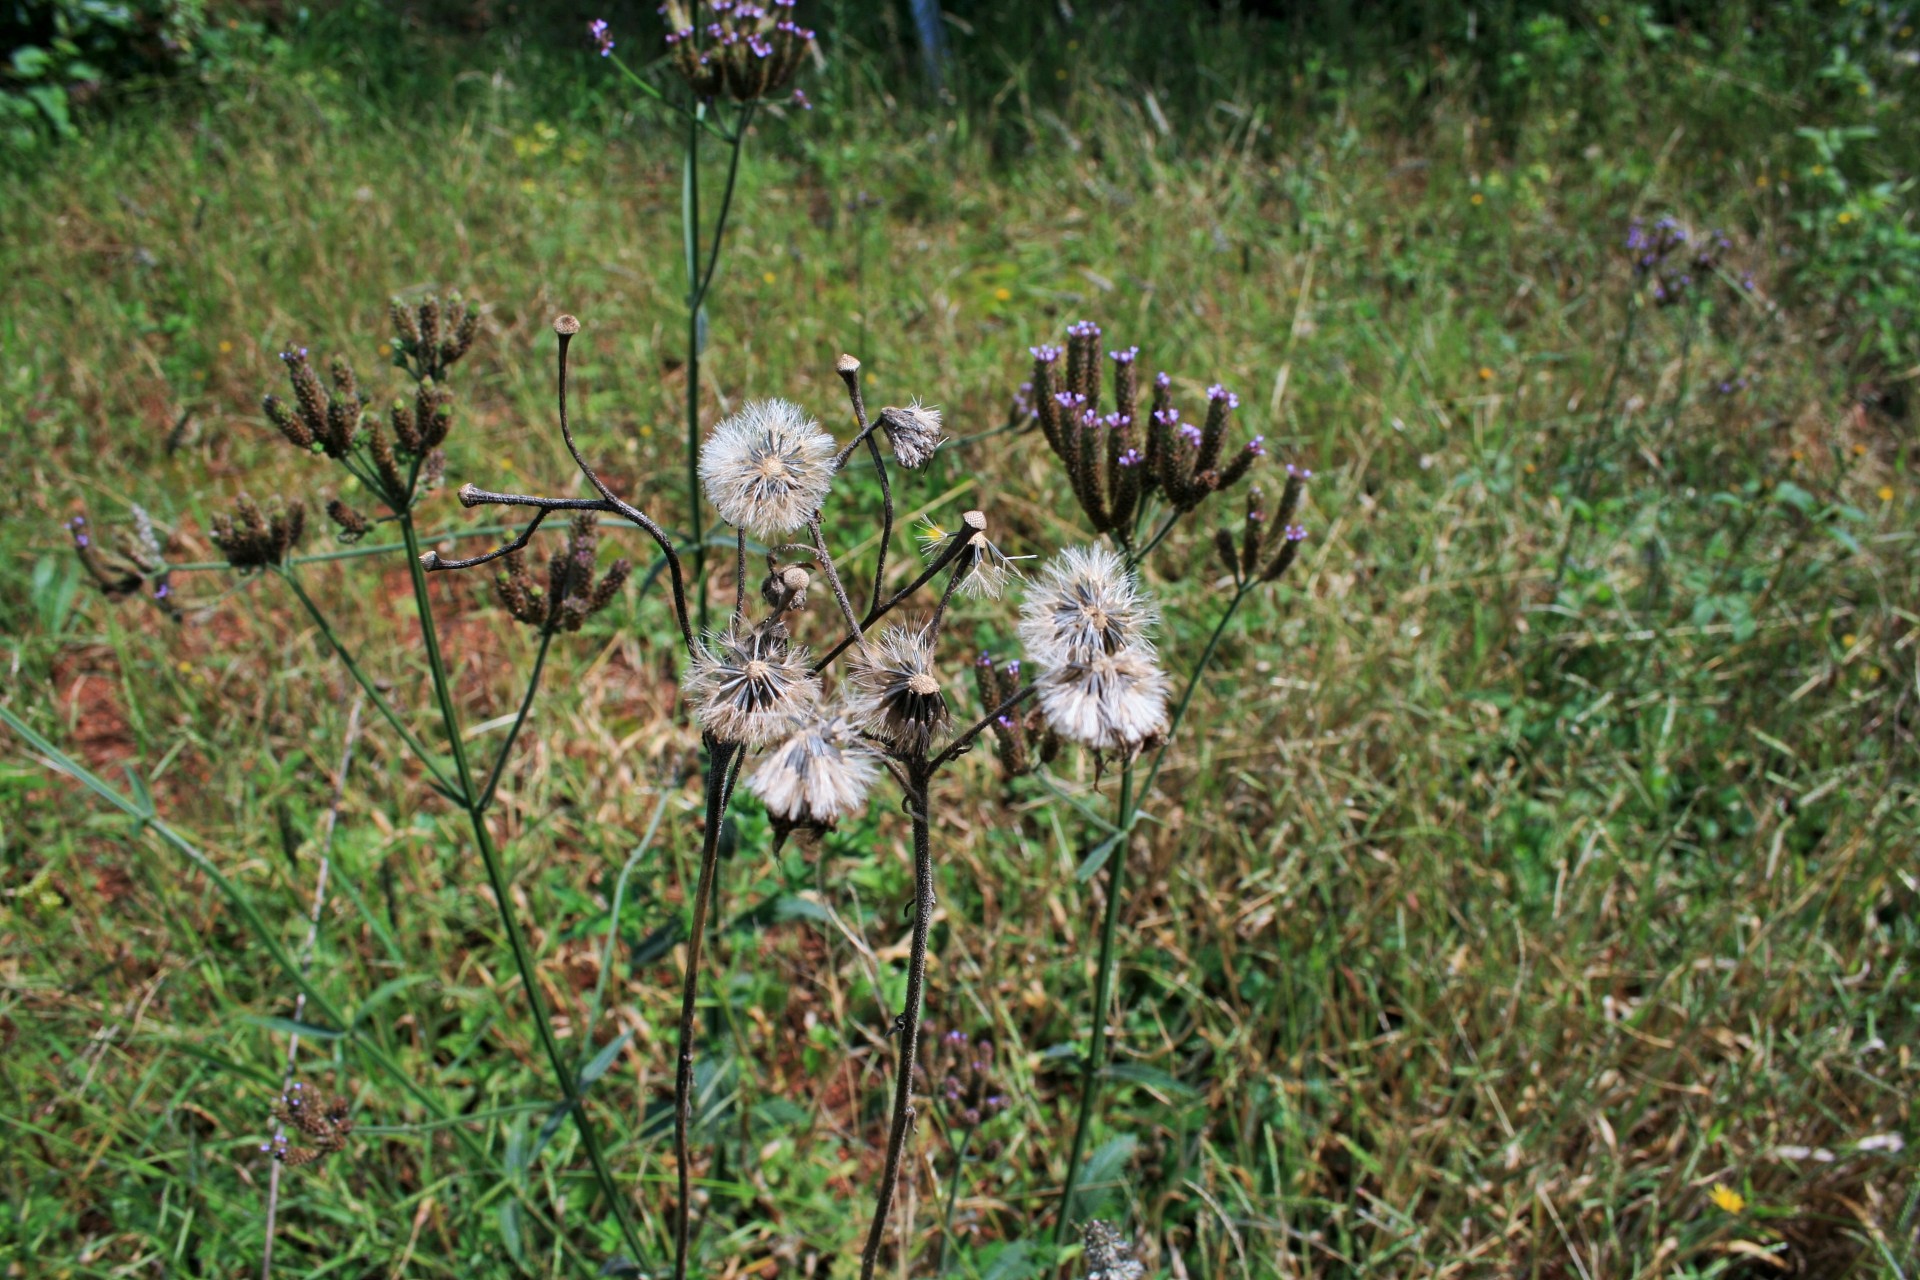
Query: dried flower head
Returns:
{"type": "Point", "coordinates": [352, 525]}
{"type": "Point", "coordinates": [432, 334]}
{"type": "Point", "coordinates": [326, 1120]}
{"type": "Point", "coordinates": [914, 433]}
{"type": "Point", "coordinates": [819, 772]}
{"type": "Point", "coordinates": [962, 1079]}
{"type": "Point", "coordinates": [747, 686]}
{"type": "Point", "coordinates": [786, 589]}
{"type": "Point", "coordinates": [1258, 530]}
{"type": "Point", "coordinates": [317, 417]}
{"type": "Point", "coordinates": [767, 468]}
{"type": "Point", "coordinates": [734, 48]}
{"type": "Point", "coordinates": [1021, 738]}
{"type": "Point", "coordinates": [1086, 603]}
{"type": "Point", "coordinates": [1109, 1254]}
{"type": "Point", "coordinates": [1110, 701]}
{"type": "Point", "coordinates": [253, 539]}
{"type": "Point", "coordinates": [571, 595]}
{"type": "Point", "coordinates": [901, 702]}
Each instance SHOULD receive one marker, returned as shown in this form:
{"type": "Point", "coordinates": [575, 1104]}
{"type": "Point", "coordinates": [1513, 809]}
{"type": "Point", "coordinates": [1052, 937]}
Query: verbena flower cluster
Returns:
{"type": "Point", "coordinates": [730, 48]}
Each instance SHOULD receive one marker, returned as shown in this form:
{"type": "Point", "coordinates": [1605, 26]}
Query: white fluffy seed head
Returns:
{"type": "Point", "coordinates": [1086, 603]}
{"type": "Point", "coordinates": [746, 687]}
{"type": "Point", "coordinates": [914, 433]}
{"type": "Point", "coordinates": [767, 468]}
{"type": "Point", "coordinates": [1111, 701]}
{"type": "Point", "coordinates": [900, 700]}
{"type": "Point", "coordinates": [819, 772]}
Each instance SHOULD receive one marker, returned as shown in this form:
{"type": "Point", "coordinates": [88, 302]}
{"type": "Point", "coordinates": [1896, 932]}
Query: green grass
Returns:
{"type": "Point", "coordinates": [1488, 915]}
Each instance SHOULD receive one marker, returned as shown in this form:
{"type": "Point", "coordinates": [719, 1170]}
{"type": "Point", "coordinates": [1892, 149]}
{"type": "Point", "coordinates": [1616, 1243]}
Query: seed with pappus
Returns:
{"type": "Point", "coordinates": [1111, 701]}
{"type": "Point", "coordinates": [1087, 602]}
{"type": "Point", "coordinates": [746, 686]}
{"type": "Point", "coordinates": [818, 773]}
{"type": "Point", "coordinates": [914, 433]}
{"type": "Point", "coordinates": [901, 702]}
{"type": "Point", "coordinates": [767, 468]}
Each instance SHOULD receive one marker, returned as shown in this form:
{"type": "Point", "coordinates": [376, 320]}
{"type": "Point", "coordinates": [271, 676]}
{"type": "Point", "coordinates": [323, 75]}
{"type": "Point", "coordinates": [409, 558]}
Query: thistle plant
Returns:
{"type": "Point", "coordinates": [1136, 472]}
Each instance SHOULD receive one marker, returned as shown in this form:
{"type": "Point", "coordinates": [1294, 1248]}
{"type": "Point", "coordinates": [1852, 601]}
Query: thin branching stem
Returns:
{"type": "Point", "coordinates": [426, 758]}
{"type": "Point", "coordinates": [513, 733]}
{"type": "Point", "coordinates": [328, 820]}
{"type": "Point", "coordinates": [886, 523]}
{"type": "Point", "coordinates": [954, 547]}
{"type": "Point", "coordinates": [833, 581]}
{"type": "Point", "coordinates": [919, 775]}
{"type": "Point", "coordinates": [722, 758]}
{"type": "Point", "coordinates": [964, 743]}
{"type": "Point", "coordinates": [497, 881]}
{"type": "Point", "coordinates": [1095, 1062]}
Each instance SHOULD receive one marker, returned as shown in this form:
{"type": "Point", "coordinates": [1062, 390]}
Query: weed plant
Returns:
{"type": "Point", "coordinates": [1528, 891]}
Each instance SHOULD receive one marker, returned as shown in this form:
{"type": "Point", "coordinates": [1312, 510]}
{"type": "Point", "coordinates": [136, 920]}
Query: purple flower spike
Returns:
{"type": "Point", "coordinates": [1013, 667]}
{"type": "Point", "coordinates": [1299, 473]}
{"type": "Point", "coordinates": [1131, 458]}
{"type": "Point", "coordinates": [1190, 433]}
{"type": "Point", "coordinates": [1045, 353]}
{"type": "Point", "coordinates": [1005, 722]}
{"type": "Point", "coordinates": [800, 100]}
{"type": "Point", "coordinates": [1069, 399]}
{"type": "Point", "coordinates": [1257, 446]}
{"type": "Point", "coordinates": [162, 591]}
{"type": "Point", "coordinates": [1218, 392]}
{"type": "Point", "coordinates": [1162, 380]}
{"type": "Point", "coordinates": [601, 35]}
{"type": "Point", "coordinates": [1084, 329]}
{"type": "Point", "coordinates": [1166, 417]}
{"type": "Point", "coordinates": [1296, 533]}
{"type": "Point", "coordinates": [1123, 357]}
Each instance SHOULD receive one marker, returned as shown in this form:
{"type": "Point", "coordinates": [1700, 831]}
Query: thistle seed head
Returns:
{"type": "Point", "coordinates": [1111, 701]}
{"type": "Point", "coordinates": [767, 468]}
{"type": "Point", "coordinates": [819, 772]}
{"type": "Point", "coordinates": [901, 702]}
{"type": "Point", "coordinates": [1086, 603]}
{"type": "Point", "coordinates": [746, 686]}
{"type": "Point", "coordinates": [914, 433]}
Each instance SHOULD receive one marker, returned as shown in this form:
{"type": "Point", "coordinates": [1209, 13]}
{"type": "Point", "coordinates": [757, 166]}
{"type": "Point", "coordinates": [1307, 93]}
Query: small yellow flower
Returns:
{"type": "Point", "coordinates": [1798, 456]}
{"type": "Point", "coordinates": [1529, 468]}
{"type": "Point", "coordinates": [1760, 181]}
{"type": "Point", "coordinates": [1817, 170]}
{"type": "Point", "coordinates": [1874, 673]}
{"type": "Point", "coordinates": [1844, 218]}
{"type": "Point", "coordinates": [1859, 450]}
{"type": "Point", "coordinates": [184, 667]}
{"type": "Point", "coordinates": [1486, 374]}
{"type": "Point", "coordinates": [768, 277]}
{"type": "Point", "coordinates": [1848, 640]}
{"type": "Point", "coordinates": [1886, 493]}
{"type": "Point", "coordinates": [1605, 20]}
{"type": "Point", "coordinates": [225, 347]}
{"type": "Point", "coordinates": [1002, 294]}
{"type": "Point", "coordinates": [528, 186]}
{"type": "Point", "coordinates": [645, 431]}
{"type": "Point", "coordinates": [1476, 198]}
{"type": "Point", "coordinates": [1727, 1198]}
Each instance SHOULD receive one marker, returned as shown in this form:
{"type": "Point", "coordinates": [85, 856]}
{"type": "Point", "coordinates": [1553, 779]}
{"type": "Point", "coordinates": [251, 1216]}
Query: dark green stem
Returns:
{"type": "Point", "coordinates": [1103, 985]}
{"type": "Point", "coordinates": [497, 881]}
{"type": "Point", "coordinates": [526, 705]}
{"type": "Point", "coordinates": [953, 1198]}
{"type": "Point", "coordinates": [374, 695]}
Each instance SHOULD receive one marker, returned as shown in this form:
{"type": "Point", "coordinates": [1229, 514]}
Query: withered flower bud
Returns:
{"type": "Point", "coordinates": [571, 595]}
{"type": "Point", "coordinates": [433, 469]}
{"type": "Point", "coordinates": [433, 414]}
{"type": "Point", "coordinates": [353, 525]}
{"type": "Point", "coordinates": [250, 538]}
{"type": "Point", "coordinates": [405, 327]}
{"type": "Point", "coordinates": [404, 430]}
{"type": "Point", "coordinates": [786, 589]}
{"type": "Point", "coordinates": [393, 481]}
{"type": "Point", "coordinates": [290, 425]}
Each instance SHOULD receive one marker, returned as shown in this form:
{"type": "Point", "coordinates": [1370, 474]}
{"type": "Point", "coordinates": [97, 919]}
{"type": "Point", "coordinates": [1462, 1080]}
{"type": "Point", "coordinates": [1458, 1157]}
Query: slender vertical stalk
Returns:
{"type": "Point", "coordinates": [953, 1199]}
{"type": "Point", "coordinates": [721, 758]}
{"type": "Point", "coordinates": [919, 775]}
{"type": "Point", "coordinates": [472, 803]}
{"type": "Point", "coordinates": [1096, 1058]}
{"type": "Point", "coordinates": [1583, 478]}
{"type": "Point", "coordinates": [690, 241]}
{"type": "Point", "coordinates": [328, 821]}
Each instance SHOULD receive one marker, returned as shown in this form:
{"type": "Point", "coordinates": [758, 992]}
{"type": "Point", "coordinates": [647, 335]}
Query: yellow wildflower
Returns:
{"type": "Point", "coordinates": [1727, 1198]}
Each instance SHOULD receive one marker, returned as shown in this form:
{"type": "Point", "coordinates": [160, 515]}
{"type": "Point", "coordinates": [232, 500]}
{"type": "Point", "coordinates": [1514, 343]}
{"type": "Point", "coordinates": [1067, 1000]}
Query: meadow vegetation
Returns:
{"type": "Point", "coordinates": [1531, 891]}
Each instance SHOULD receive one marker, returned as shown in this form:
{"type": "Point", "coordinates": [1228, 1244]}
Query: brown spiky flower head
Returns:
{"type": "Point", "coordinates": [572, 594]}
{"type": "Point", "coordinates": [1265, 531]}
{"type": "Point", "coordinates": [730, 48]}
{"type": "Point", "coordinates": [432, 334]}
{"type": "Point", "coordinates": [325, 1121]}
{"type": "Point", "coordinates": [767, 468]}
{"type": "Point", "coordinates": [901, 701]}
{"type": "Point", "coordinates": [747, 686]}
{"type": "Point", "coordinates": [252, 538]}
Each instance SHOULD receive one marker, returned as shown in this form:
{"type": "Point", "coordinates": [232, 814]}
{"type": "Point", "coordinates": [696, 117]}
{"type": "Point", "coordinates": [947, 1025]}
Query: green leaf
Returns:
{"type": "Point", "coordinates": [1151, 1078]}
{"type": "Point", "coordinates": [1096, 858]}
{"type": "Point", "coordinates": [601, 1062]}
{"type": "Point", "coordinates": [289, 1027]}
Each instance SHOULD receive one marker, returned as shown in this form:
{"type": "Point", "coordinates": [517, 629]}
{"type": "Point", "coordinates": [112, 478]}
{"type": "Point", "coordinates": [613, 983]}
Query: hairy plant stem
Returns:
{"type": "Point", "coordinates": [1095, 1061]}
{"type": "Point", "coordinates": [722, 768]}
{"type": "Point", "coordinates": [919, 774]}
{"type": "Point", "coordinates": [474, 803]}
